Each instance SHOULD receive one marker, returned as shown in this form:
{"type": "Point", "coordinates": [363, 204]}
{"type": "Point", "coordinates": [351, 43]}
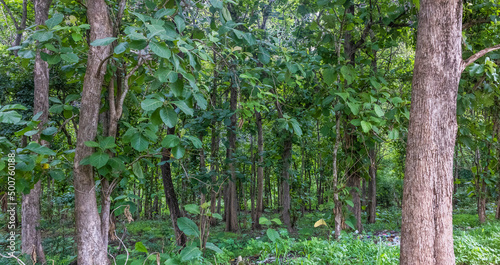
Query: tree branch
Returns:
{"type": "Point", "coordinates": [10, 14]}
{"type": "Point", "coordinates": [478, 55]}
{"type": "Point", "coordinates": [474, 22]}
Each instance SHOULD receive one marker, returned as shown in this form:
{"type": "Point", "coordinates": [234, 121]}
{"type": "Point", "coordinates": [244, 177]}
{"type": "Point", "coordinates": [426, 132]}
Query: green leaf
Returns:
{"type": "Point", "coordinates": [179, 21]}
{"type": "Point", "coordinates": [151, 104]}
{"type": "Point", "coordinates": [296, 127]}
{"type": "Point", "coordinates": [168, 116]}
{"type": "Point", "coordinates": [139, 142]}
{"type": "Point", "coordinates": [70, 57]}
{"type": "Point", "coordinates": [190, 253]}
{"type": "Point", "coordinates": [170, 141]}
{"type": "Point", "coordinates": [92, 144]}
{"type": "Point", "coordinates": [366, 126]}
{"type": "Point", "coordinates": [57, 174]}
{"type": "Point", "coordinates": [353, 107]}
{"type": "Point", "coordinates": [139, 246]}
{"type": "Point", "coordinates": [103, 41]}
{"type": "Point", "coordinates": [99, 159]}
{"type": "Point", "coordinates": [272, 234]}
{"type": "Point", "coordinates": [394, 134]}
{"type": "Point", "coordinates": [184, 107]}
{"type": "Point", "coordinates": [378, 110]}
{"type": "Point", "coordinates": [37, 148]}
{"type": "Point", "coordinates": [178, 152]}
{"type": "Point", "coordinates": [264, 221]}
{"type": "Point", "coordinates": [107, 143]}
{"type": "Point", "coordinates": [277, 221]}
{"type": "Point", "coordinates": [347, 73]}
{"type": "Point", "coordinates": [192, 208]}
{"type": "Point", "coordinates": [343, 95]}
{"type": "Point", "coordinates": [137, 169]}
{"type": "Point", "coordinates": [217, 216]}
{"type": "Point", "coordinates": [329, 76]}
{"type": "Point", "coordinates": [43, 35]}
{"type": "Point", "coordinates": [11, 117]}
{"type": "Point", "coordinates": [160, 49]}
{"type": "Point", "coordinates": [350, 203]}
{"type": "Point", "coordinates": [213, 247]}
{"type": "Point", "coordinates": [196, 142]}
{"type": "Point", "coordinates": [200, 99]}
{"type": "Point", "coordinates": [120, 48]}
{"type": "Point", "coordinates": [188, 227]}
{"type": "Point", "coordinates": [54, 20]}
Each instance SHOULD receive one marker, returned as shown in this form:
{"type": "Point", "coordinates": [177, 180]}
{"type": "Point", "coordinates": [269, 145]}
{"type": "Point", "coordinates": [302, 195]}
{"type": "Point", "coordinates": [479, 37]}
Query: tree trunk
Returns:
{"type": "Point", "coordinates": [214, 154]}
{"type": "Point", "coordinates": [88, 223]}
{"type": "Point", "coordinates": [481, 201]}
{"type": "Point", "coordinates": [337, 211]}
{"type": "Point", "coordinates": [31, 238]}
{"type": "Point", "coordinates": [170, 196]}
{"type": "Point", "coordinates": [285, 185]}
{"type": "Point", "coordinates": [427, 230]}
{"type": "Point", "coordinates": [260, 171]}
{"type": "Point", "coordinates": [372, 186]}
{"type": "Point", "coordinates": [231, 205]}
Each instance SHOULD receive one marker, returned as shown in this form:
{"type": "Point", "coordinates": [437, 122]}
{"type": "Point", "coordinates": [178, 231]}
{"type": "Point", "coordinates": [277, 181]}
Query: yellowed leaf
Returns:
{"type": "Point", "coordinates": [320, 222]}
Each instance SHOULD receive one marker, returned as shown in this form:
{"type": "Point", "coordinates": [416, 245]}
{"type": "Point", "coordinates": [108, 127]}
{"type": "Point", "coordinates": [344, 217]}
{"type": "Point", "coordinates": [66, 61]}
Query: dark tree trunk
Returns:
{"type": "Point", "coordinates": [260, 171]}
{"type": "Point", "coordinates": [372, 186]}
{"type": "Point", "coordinates": [481, 201]}
{"type": "Point", "coordinates": [88, 223]}
{"type": "Point", "coordinates": [285, 185]}
{"type": "Point", "coordinates": [337, 210]}
{"type": "Point", "coordinates": [428, 183]}
{"type": "Point", "coordinates": [170, 196]}
{"type": "Point", "coordinates": [214, 154]}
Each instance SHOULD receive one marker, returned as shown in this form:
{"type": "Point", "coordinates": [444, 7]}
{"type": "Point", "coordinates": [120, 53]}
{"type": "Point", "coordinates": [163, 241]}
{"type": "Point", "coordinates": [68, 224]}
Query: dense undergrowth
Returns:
{"type": "Point", "coordinates": [147, 240]}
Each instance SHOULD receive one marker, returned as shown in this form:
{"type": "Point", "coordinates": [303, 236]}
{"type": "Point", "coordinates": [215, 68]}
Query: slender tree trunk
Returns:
{"type": "Point", "coordinates": [31, 238]}
{"type": "Point", "coordinates": [481, 201]}
{"type": "Point", "coordinates": [427, 230]}
{"type": "Point", "coordinates": [214, 153]}
{"type": "Point", "coordinates": [337, 210]}
{"type": "Point", "coordinates": [88, 223]}
{"type": "Point", "coordinates": [285, 185]}
{"type": "Point", "coordinates": [372, 186]}
{"type": "Point", "coordinates": [260, 171]}
{"type": "Point", "coordinates": [170, 196]}
{"type": "Point", "coordinates": [231, 205]}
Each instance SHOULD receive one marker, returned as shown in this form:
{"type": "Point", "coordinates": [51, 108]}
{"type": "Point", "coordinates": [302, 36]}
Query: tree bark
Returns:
{"type": "Point", "coordinates": [260, 171]}
{"type": "Point", "coordinates": [427, 230]}
{"type": "Point", "coordinates": [31, 238]}
{"type": "Point", "coordinates": [170, 196]}
{"type": "Point", "coordinates": [337, 210]}
{"type": "Point", "coordinates": [372, 186]}
{"type": "Point", "coordinates": [285, 185]}
{"type": "Point", "coordinates": [231, 206]}
{"type": "Point", "coordinates": [88, 223]}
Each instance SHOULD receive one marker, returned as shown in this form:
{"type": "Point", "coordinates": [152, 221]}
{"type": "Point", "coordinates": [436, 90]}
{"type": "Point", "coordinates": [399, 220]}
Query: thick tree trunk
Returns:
{"type": "Point", "coordinates": [31, 238]}
{"type": "Point", "coordinates": [231, 205]}
{"type": "Point", "coordinates": [170, 196]}
{"type": "Point", "coordinates": [481, 201]}
{"type": "Point", "coordinates": [372, 186]}
{"type": "Point", "coordinates": [88, 223]}
{"type": "Point", "coordinates": [427, 230]}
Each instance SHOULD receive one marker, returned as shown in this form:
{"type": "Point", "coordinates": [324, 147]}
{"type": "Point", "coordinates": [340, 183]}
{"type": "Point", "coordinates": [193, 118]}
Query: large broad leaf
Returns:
{"type": "Point", "coordinates": [329, 76]}
{"type": "Point", "coordinates": [107, 143]}
{"type": "Point", "coordinates": [10, 117]}
{"type": "Point", "coordinates": [69, 57]}
{"type": "Point", "coordinates": [264, 221]}
{"type": "Point", "coordinates": [137, 169]}
{"type": "Point", "coordinates": [196, 142]}
{"type": "Point", "coordinates": [103, 41]}
{"type": "Point", "coordinates": [378, 110]}
{"type": "Point", "coordinates": [120, 48]}
{"type": "Point", "coordinates": [160, 49]}
{"type": "Point", "coordinates": [273, 234]}
{"type": "Point", "coordinates": [213, 247]}
{"type": "Point", "coordinates": [178, 152]}
{"type": "Point", "coordinates": [54, 20]}
{"type": "Point", "coordinates": [37, 148]}
{"type": "Point", "coordinates": [151, 104]}
{"type": "Point", "coordinates": [184, 107]}
{"type": "Point", "coordinates": [139, 142]}
{"type": "Point", "coordinates": [170, 141]}
{"type": "Point", "coordinates": [192, 208]}
{"type": "Point", "coordinates": [57, 174]}
{"type": "Point", "coordinates": [139, 246]}
{"type": "Point", "coordinates": [168, 116]}
{"type": "Point", "coordinates": [99, 159]}
{"type": "Point", "coordinates": [296, 127]}
{"type": "Point", "coordinates": [320, 222]}
{"type": "Point", "coordinates": [188, 227]}
{"type": "Point", "coordinates": [347, 73]}
{"type": "Point", "coordinates": [366, 126]}
{"type": "Point", "coordinates": [179, 21]}
{"type": "Point", "coordinates": [190, 253]}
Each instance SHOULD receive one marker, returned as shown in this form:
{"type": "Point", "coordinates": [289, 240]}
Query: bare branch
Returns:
{"type": "Point", "coordinates": [474, 22]}
{"type": "Point", "coordinates": [16, 25]}
{"type": "Point", "coordinates": [478, 55]}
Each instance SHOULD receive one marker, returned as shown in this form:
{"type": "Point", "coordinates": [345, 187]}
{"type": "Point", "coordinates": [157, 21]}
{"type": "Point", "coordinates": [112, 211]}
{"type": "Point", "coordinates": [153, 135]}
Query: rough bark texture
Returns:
{"type": "Point", "coordinates": [260, 171]}
{"type": "Point", "coordinates": [88, 222]}
{"type": "Point", "coordinates": [231, 205]}
{"type": "Point", "coordinates": [427, 231]}
{"type": "Point", "coordinates": [337, 210]}
{"type": "Point", "coordinates": [31, 238]}
{"type": "Point", "coordinates": [170, 196]}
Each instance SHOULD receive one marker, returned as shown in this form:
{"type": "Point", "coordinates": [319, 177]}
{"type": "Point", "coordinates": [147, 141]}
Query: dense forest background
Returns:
{"type": "Point", "coordinates": [249, 132]}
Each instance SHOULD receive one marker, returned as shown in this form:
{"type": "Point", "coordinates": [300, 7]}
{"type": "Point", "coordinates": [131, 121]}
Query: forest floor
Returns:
{"type": "Point", "coordinates": [377, 244]}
